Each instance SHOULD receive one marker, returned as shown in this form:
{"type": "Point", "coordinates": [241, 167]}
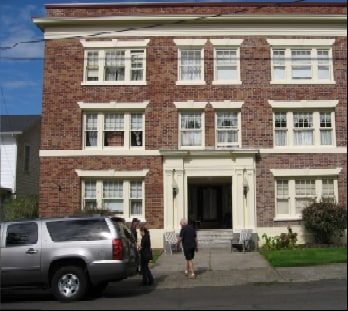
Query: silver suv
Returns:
{"type": "Point", "coordinates": [74, 256]}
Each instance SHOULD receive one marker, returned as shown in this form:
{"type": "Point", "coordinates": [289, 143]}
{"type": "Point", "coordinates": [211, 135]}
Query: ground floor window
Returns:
{"type": "Point", "coordinates": [123, 197]}
{"type": "Point", "coordinates": [294, 194]}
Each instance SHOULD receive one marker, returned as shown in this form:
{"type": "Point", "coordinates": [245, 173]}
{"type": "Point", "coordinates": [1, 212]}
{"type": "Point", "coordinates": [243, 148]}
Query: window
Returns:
{"type": "Point", "coordinates": [297, 188]}
{"type": "Point", "coordinates": [22, 234]}
{"type": "Point", "coordinates": [227, 129]}
{"type": "Point", "coordinates": [297, 61]}
{"type": "Point", "coordinates": [190, 61]}
{"type": "Point", "coordinates": [122, 196]}
{"type": "Point", "coordinates": [27, 159]}
{"type": "Point", "coordinates": [115, 62]}
{"type": "Point", "coordinates": [303, 128]}
{"type": "Point", "coordinates": [226, 61]}
{"type": "Point", "coordinates": [293, 195]}
{"type": "Point", "coordinates": [113, 130]}
{"type": "Point", "coordinates": [191, 129]}
{"type": "Point", "coordinates": [78, 230]}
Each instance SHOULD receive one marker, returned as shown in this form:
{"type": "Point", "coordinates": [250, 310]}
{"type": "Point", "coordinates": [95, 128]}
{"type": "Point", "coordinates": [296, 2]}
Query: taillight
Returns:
{"type": "Point", "coordinates": [117, 250]}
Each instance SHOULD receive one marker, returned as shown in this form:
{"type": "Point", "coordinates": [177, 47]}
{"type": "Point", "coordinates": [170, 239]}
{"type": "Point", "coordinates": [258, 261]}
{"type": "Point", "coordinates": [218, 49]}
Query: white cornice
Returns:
{"type": "Point", "coordinates": [164, 25]}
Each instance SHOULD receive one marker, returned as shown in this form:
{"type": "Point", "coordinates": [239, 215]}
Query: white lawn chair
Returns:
{"type": "Point", "coordinates": [244, 241]}
{"type": "Point", "coordinates": [170, 240]}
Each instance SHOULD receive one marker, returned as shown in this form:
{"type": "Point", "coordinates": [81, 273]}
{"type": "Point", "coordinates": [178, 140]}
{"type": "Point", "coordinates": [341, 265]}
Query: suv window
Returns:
{"type": "Point", "coordinates": [122, 228]}
{"type": "Point", "coordinates": [78, 230]}
{"type": "Point", "coordinates": [22, 234]}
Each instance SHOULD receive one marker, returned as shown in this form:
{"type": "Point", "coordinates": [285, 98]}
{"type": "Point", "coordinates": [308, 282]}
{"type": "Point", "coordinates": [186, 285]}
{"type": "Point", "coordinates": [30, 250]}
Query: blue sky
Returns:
{"type": "Point", "coordinates": [21, 62]}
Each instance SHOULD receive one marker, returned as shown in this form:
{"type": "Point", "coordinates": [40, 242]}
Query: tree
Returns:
{"type": "Point", "coordinates": [24, 207]}
{"type": "Point", "coordinates": [325, 219]}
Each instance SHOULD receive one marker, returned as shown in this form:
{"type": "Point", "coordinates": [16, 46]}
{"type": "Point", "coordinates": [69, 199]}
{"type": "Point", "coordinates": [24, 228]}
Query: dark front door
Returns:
{"type": "Point", "coordinates": [209, 205]}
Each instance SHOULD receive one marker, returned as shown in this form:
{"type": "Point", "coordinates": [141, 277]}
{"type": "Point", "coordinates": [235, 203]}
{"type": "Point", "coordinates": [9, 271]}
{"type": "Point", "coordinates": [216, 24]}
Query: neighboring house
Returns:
{"type": "Point", "coordinates": [19, 153]}
{"type": "Point", "coordinates": [233, 115]}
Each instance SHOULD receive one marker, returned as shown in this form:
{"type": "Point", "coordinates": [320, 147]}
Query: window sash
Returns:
{"type": "Point", "coordinates": [301, 64]}
{"type": "Point", "coordinates": [191, 129]}
{"type": "Point", "coordinates": [190, 65]}
{"type": "Point", "coordinates": [226, 64]}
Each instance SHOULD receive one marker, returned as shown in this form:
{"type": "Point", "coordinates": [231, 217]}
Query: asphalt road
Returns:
{"type": "Point", "coordinates": [316, 295]}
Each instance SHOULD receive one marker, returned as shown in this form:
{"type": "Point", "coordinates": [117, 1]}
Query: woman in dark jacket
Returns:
{"type": "Point", "coordinates": [145, 256]}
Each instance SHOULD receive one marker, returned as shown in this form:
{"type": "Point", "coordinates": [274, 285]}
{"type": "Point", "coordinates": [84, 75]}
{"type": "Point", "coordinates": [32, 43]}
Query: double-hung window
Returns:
{"type": "Point", "coordinates": [191, 129]}
{"type": "Point", "coordinates": [296, 61]}
{"type": "Point", "coordinates": [226, 61]}
{"type": "Point", "coordinates": [296, 189]}
{"type": "Point", "coordinates": [113, 125]}
{"type": "Point", "coordinates": [124, 197]}
{"type": "Point", "coordinates": [227, 124]}
{"type": "Point", "coordinates": [300, 126]}
{"type": "Point", "coordinates": [227, 129]}
{"type": "Point", "coordinates": [114, 130]}
{"type": "Point", "coordinates": [190, 61]}
{"type": "Point", "coordinates": [115, 62]}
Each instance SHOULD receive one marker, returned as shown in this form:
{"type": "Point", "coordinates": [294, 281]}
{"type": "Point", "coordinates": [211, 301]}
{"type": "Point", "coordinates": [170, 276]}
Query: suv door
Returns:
{"type": "Point", "coordinates": [20, 253]}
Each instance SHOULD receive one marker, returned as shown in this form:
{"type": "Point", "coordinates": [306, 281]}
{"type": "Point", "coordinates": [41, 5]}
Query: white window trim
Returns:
{"type": "Point", "coordinates": [293, 174]}
{"type": "Point", "coordinates": [114, 43]}
{"type": "Point", "coordinates": [102, 108]}
{"type": "Point", "coordinates": [188, 107]}
{"type": "Point", "coordinates": [289, 44]}
{"type": "Point", "coordinates": [228, 105]}
{"type": "Point", "coordinates": [126, 180]}
{"type": "Point", "coordinates": [227, 44]}
{"type": "Point", "coordinates": [190, 44]}
{"type": "Point", "coordinates": [315, 106]}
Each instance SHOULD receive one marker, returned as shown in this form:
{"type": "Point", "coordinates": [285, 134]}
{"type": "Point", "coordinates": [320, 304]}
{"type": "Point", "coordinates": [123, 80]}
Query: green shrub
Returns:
{"type": "Point", "coordinates": [24, 207]}
{"type": "Point", "coordinates": [282, 241]}
{"type": "Point", "coordinates": [325, 219]}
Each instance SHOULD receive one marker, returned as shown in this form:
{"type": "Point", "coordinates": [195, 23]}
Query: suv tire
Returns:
{"type": "Point", "coordinates": [69, 283]}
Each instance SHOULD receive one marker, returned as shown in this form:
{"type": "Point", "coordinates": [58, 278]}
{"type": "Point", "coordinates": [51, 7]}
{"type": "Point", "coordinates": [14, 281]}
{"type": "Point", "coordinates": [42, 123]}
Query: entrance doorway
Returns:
{"type": "Point", "coordinates": [210, 202]}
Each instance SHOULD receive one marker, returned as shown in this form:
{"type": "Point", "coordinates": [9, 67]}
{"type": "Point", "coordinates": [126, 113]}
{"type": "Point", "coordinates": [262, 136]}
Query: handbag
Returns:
{"type": "Point", "coordinates": [147, 254]}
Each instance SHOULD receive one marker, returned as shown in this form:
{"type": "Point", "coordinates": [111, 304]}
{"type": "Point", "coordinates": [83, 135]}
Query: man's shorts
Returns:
{"type": "Point", "coordinates": [189, 253]}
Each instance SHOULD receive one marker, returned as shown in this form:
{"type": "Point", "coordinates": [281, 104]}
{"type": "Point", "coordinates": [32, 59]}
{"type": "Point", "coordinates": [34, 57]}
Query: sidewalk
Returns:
{"type": "Point", "coordinates": [220, 267]}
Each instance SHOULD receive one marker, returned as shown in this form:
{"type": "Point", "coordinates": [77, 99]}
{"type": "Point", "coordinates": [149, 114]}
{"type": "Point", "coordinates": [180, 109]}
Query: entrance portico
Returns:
{"type": "Point", "coordinates": [213, 189]}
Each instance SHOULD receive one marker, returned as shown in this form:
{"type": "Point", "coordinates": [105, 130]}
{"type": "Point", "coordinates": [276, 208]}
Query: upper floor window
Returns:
{"type": "Point", "coordinates": [303, 128]}
{"type": "Point", "coordinates": [297, 61]}
{"type": "Point", "coordinates": [190, 61]}
{"type": "Point", "coordinates": [227, 129]}
{"type": "Point", "coordinates": [312, 126]}
{"type": "Point", "coordinates": [113, 125]}
{"type": "Point", "coordinates": [227, 124]}
{"type": "Point", "coordinates": [115, 62]}
{"type": "Point", "coordinates": [226, 61]}
{"type": "Point", "coordinates": [191, 129]}
{"type": "Point", "coordinates": [113, 129]}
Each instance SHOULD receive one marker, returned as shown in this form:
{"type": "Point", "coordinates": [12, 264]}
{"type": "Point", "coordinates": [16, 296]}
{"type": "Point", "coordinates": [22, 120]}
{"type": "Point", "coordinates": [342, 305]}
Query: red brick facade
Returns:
{"type": "Point", "coordinates": [62, 127]}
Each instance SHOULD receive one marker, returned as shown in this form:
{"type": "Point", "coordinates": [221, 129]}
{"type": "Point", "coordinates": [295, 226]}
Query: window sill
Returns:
{"type": "Point", "coordinates": [227, 82]}
{"type": "Point", "coordinates": [295, 218]}
{"type": "Point", "coordinates": [188, 83]}
{"type": "Point", "coordinates": [113, 83]}
{"type": "Point", "coordinates": [303, 82]}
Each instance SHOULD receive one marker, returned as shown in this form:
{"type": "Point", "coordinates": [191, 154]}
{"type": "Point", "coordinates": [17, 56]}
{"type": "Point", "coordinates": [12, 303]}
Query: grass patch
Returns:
{"type": "Point", "coordinates": [156, 252]}
{"type": "Point", "coordinates": [301, 257]}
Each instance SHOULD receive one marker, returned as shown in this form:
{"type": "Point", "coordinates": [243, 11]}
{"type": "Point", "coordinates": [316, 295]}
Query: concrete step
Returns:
{"type": "Point", "coordinates": [220, 238]}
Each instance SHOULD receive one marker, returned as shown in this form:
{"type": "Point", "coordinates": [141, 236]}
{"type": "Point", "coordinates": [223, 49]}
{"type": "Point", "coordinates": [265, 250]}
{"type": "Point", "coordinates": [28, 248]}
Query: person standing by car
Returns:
{"type": "Point", "coordinates": [188, 238]}
{"type": "Point", "coordinates": [133, 228]}
{"type": "Point", "coordinates": [145, 256]}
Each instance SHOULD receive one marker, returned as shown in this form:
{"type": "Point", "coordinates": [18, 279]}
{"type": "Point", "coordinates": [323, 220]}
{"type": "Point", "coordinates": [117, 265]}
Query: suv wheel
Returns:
{"type": "Point", "coordinates": [69, 284]}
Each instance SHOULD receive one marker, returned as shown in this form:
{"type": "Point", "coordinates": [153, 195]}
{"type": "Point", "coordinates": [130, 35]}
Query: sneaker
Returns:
{"type": "Point", "coordinates": [186, 273]}
{"type": "Point", "coordinates": [192, 276]}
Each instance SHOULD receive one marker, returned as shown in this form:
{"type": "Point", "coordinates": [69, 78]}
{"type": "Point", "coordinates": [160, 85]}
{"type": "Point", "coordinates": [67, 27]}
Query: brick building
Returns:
{"type": "Point", "coordinates": [232, 115]}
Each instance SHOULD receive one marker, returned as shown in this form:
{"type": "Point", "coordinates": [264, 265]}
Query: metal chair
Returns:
{"type": "Point", "coordinates": [244, 241]}
{"type": "Point", "coordinates": [170, 240]}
